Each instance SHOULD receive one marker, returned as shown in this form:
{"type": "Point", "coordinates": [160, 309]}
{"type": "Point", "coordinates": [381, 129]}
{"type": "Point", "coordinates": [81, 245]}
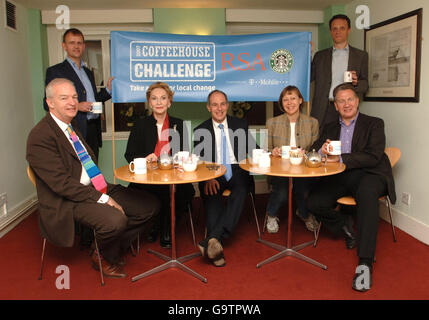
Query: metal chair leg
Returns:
{"type": "Point", "coordinates": [265, 222]}
{"type": "Point", "coordinates": [391, 218]}
{"type": "Point", "coordinates": [316, 235]}
{"type": "Point", "coordinates": [255, 214]}
{"type": "Point", "coordinates": [42, 259]}
{"type": "Point", "coordinates": [99, 258]}
{"type": "Point", "coordinates": [138, 243]}
{"type": "Point", "coordinates": [192, 224]}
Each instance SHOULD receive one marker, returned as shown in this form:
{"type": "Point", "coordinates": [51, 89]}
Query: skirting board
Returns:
{"type": "Point", "coordinates": [406, 223]}
{"type": "Point", "coordinates": [17, 214]}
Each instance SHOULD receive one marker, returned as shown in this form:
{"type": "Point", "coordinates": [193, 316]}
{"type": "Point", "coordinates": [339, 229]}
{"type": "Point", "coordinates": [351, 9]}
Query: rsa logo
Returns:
{"type": "Point", "coordinates": [237, 62]}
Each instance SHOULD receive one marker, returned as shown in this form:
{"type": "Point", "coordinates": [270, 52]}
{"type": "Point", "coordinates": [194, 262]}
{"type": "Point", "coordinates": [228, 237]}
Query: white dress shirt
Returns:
{"type": "Point", "coordinates": [84, 178]}
{"type": "Point", "coordinates": [218, 139]}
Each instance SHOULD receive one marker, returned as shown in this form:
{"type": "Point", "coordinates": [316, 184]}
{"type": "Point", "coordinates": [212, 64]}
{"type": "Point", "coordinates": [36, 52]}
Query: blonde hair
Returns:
{"type": "Point", "coordinates": [161, 85]}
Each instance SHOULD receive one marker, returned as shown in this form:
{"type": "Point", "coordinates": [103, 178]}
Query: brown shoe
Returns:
{"type": "Point", "coordinates": [109, 270]}
{"type": "Point", "coordinates": [214, 249]}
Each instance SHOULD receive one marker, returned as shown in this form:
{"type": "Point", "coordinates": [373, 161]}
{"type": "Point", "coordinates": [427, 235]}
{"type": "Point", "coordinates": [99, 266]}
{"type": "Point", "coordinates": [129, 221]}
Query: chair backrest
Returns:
{"type": "Point", "coordinates": [393, 154]}
{"type": "Point", "coordinates": [31, 175]}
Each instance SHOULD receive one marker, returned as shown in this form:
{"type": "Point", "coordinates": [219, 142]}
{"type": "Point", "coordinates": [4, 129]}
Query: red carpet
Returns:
{"type": "Point", "coordinates": [401, 270]}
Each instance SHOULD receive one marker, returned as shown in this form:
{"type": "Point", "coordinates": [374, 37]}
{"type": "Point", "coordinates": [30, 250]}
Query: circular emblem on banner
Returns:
{"type": "Point", "coordinates": [281, 61]}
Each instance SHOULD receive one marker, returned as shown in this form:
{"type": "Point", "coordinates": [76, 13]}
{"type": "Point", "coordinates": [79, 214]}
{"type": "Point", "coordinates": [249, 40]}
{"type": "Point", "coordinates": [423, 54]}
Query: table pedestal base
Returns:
{"type": "Point", "coordinates": [172, 263]}
{"type": "Point", "coordinates": [285, 251]}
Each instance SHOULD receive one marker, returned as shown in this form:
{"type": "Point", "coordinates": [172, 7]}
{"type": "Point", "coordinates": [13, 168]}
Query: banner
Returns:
{"type": "Point", "coordinates": [246, 67]}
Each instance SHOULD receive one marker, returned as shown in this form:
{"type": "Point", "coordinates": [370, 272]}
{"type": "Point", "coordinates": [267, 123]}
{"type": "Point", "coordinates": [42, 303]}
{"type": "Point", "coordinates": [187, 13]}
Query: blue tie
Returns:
{"type": "Point", "coordinates": [225, 155]}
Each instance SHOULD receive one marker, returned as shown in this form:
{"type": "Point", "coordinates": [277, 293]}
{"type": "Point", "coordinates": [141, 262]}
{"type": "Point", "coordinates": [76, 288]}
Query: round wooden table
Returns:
{"type": "Point", "coordinates": [204, 172]}
{"type": "Point", "coordinates": [283, 168]}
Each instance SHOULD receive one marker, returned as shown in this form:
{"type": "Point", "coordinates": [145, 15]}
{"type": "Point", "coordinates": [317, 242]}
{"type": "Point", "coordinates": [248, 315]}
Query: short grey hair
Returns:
{"type": "Point", "coordinates": [57, 81]}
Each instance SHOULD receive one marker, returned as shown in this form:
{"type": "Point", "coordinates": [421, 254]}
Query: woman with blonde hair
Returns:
{"type": "Point", "coordinates": [150, 137]}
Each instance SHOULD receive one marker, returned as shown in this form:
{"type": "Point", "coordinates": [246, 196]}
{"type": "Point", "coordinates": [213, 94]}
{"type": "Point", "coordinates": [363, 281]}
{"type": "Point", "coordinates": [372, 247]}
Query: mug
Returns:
{"type": "Point", "coordinates": [348, 76]}
{"type": "Point", "coordinates": [180, 156]}
{"type": "Point", "coordinates": [139, 166]}
{"type": "Point", "coordinates": [264, 160]}
{"type": "Point", "coordinates": [97, 107]}
{"type": "Point", "coordinates": [256, 153]}
{"type": "Point", "coordinates": [285, 152]}
{"type": "Point", "coordinates": [336, 147]}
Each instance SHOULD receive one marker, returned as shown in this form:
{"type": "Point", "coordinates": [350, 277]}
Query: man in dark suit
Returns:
{"type": "Point", "coordinates": [73, 68]}
{"type": "Point", "coordinates": [368, 176]}
{"type": "Point", "coordinates": [222, 139]}
{"type": "Point", "coordinates": [328, 67]}
{"type": "Point", "coordinates": [69, 192]}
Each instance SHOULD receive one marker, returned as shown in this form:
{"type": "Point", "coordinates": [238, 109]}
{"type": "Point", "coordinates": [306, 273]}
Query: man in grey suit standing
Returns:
{"type": "Point", "coordinates": [328, 67]}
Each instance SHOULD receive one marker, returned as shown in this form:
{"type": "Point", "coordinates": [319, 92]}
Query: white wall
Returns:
{"type": "Point", "coordinates": [407, 124]}
{"type": "Point", "coordinates": [16, 114]}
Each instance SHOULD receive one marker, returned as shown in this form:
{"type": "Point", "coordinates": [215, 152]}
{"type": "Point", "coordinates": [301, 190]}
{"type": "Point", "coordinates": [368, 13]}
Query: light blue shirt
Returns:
{"type": "Point", "coordinates": [90, 96]}
{"type": "Point", "coordinates": [340, 63]}
{"type": "Point", "coordinates": [346, 135]}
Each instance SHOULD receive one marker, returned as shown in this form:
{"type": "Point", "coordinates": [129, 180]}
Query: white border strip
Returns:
{"type": "Point", "coordinates": [274, 16]}
{"type": "Point", "coordinates": [101, 16]}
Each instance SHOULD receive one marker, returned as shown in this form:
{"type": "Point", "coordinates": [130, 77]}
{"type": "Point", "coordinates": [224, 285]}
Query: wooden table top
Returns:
{"type": "Point", "coordinates": [170, 176]}
{"type": "Point", "coordinates": [283, 168]}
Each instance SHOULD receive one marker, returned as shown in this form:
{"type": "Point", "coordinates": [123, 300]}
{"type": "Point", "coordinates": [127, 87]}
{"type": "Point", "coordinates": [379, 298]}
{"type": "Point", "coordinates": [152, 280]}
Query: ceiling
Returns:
{"type": "Point", "coordinates": [145, 4]}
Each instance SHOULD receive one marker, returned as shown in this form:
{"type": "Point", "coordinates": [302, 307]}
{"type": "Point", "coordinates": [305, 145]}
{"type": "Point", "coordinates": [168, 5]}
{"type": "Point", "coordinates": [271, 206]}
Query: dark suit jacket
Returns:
{"type": "Point", "coordinates": [321, 74]}
{"type": "Point", "coordinates": [58, 170]}
{"type": "Point", "coordinates": [65, 70]}
{"type": "Point", "coordinates": [144, 136]}
{"type": "Point", "coordinates": [241, 148]}
{"type": "Point", "coordinates": [368, 144]}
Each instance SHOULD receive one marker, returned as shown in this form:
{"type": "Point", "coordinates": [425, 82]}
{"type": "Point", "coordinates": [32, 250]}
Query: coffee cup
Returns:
{"type": "Point", "coordinates": [256, 153]}
{"type": "Point", "coordinates": [139, 165]}
{"type": "Point", "coordinates": [334, 147]}
{"type": "Point", "coordinates": [180, 156]}
{"type": "Point", "coordinates": [348, 76]}
{"type": "Point", "coordinates": [97, 107]}
{"type": "Point", "coordinates": [264, 160]}
{"type": "Point", "coordinates": [285, 152]}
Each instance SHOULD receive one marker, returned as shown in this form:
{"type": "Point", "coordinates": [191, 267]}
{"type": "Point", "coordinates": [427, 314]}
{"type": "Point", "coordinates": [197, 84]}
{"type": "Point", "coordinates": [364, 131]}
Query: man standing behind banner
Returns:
{"type": "Point", "coordinates": [328, 70]}
{"type": "Point", "coordinates": [74, 69]}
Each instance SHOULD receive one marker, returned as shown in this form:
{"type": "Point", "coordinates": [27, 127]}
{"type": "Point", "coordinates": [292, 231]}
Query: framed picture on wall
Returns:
{"type": "Point", "coordinates": [394, 50]}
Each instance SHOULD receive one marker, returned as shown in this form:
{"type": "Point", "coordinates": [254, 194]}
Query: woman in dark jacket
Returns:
{"type": "Point", "coordinates": [150, 137]}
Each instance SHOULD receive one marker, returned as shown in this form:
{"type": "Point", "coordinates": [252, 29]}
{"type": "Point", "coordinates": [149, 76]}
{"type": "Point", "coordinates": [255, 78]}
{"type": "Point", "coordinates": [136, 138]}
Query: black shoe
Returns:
{"type": "Point", "coordinates": [153, 234]}
{"type": "Point", "coordinates": [165, 238]}
{"type": "Point", "coordinates": [362, 281]}
{"type": "Point", "coordinates": [349, 237]}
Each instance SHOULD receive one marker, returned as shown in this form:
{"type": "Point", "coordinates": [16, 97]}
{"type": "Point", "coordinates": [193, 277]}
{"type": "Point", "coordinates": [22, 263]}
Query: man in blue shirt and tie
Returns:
{"type": "Point", "coordinates": [222, 139]}
{"type": "Point", "coordinates": [74, 69]}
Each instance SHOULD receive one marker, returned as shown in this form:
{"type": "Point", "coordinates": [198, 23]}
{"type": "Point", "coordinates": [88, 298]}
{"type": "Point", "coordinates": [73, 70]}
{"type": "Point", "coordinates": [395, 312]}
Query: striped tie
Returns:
{"type": "Point", "coordinates": [91, 168]}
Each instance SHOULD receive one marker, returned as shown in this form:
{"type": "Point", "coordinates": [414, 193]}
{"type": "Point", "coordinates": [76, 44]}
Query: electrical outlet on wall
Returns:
{"type": "Point", "coordinates": [3, 208]}
{"type": "Point", "coordinates": [406, 198]}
